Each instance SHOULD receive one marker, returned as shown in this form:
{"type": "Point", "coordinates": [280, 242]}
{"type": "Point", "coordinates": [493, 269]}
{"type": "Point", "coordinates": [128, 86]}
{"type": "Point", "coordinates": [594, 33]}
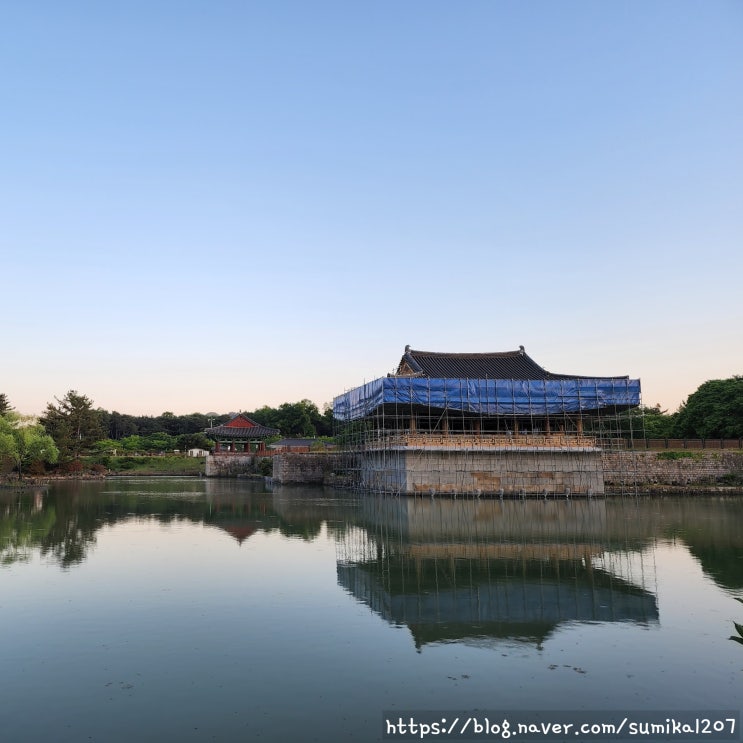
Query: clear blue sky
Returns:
{"type": "Point", "coordinates": [215, 205]}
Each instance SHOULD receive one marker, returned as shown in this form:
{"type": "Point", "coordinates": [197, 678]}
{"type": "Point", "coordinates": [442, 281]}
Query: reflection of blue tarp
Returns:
{"type": "Point", "coordinates": [490, 396]}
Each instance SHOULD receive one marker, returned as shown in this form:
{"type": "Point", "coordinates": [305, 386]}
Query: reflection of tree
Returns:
{"type": "Point", "coordinates": [63, 521]}
{"type": "Point", "coordinates": [723, 563]}
{"type": "Point", "coordinates": [21, 525]}
{"type": "Point", "coordinates": [713, 536]}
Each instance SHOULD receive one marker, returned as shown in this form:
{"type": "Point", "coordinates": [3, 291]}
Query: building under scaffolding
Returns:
{"type": "Point", "coordinates": [481, 424]}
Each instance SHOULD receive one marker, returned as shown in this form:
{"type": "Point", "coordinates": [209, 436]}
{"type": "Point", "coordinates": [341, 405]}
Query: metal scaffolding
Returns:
{"type": "Point", "coordinates": [465, 437]}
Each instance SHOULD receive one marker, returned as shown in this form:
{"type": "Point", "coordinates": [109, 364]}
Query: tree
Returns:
{"type": "Point", "coordinates": [715, 410]}
{"type": "Point", "coordinates": [657, 423]}
{"type": "Point", "coordinates": [73, 424]}
{"type": "Point", "coordinates": [296, 419]}
{"type": "Point", "coordinates": [25, 442]}
{"type": "Point", "coordinates": [132, 444]}
{"type": "Point", "coordinates": [188, 441]}
{"type": "Point", "coordinates": [5, 406]}
{"type": "Point", "coordinates": [106, 446]}
{"type": "Point", "coordinates": [159, 442]}
{"type": "Point", "coordinates": [120, 425]}
{"type": "Point", "coordinates": [326, 425]}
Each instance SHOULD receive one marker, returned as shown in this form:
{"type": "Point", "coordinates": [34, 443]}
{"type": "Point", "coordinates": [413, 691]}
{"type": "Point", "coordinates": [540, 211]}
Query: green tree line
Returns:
{"type": "Point", "coordinates": [713, 411]}
{"type": "Point", "coordinates": [71, 426]}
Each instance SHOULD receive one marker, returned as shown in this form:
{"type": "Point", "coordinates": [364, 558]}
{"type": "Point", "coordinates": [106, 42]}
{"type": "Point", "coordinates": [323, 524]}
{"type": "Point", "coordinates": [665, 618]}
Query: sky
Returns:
{"type": "Point", "coordinates": [214, 205]}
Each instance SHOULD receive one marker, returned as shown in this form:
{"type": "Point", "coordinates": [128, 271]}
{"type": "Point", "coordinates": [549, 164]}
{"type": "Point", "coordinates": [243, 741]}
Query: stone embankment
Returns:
{"type": "Point", "coordinates": [661, 472]}
{"type": "Point", "coordinates": [306, 469]}
{"type": "Point", "coordinates": [234, 465]}
{"type": "Point", "coordinates": [675, 471]}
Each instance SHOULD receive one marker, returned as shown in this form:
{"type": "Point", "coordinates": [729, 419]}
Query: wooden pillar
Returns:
{"type": "Point", "coordinates": [217, 447]}
{"type": "Point", "coordinates": [445, 423]}
{"type": "Point", "coordinates": [547, 425]}
{"type": "Point", "coordinates": [580, 426]}
{"type": "Point", "coordinates": [413, 423]}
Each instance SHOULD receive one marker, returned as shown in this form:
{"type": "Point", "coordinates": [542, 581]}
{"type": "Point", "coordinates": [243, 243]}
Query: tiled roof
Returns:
{"type": "Point", "coordinates": [241, 427]}
{"type": "Point", "coordinates": [497, 365]}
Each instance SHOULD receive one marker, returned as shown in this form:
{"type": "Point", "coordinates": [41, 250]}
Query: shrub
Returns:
{"type": "Point", "coordinates": [673, 455]}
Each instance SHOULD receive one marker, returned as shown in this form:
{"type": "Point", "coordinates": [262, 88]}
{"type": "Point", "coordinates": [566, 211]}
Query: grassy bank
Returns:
{"type": "Point", "coordinates": [148, 465]}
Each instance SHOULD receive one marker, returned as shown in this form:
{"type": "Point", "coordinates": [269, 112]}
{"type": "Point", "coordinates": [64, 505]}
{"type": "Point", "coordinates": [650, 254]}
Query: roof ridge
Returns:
{"type": "Point", "coordinates": [517, 352]}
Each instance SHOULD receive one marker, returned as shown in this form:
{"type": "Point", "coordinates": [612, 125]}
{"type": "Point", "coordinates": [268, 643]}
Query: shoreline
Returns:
{"type": "Point", "coordinates": [655, 490]}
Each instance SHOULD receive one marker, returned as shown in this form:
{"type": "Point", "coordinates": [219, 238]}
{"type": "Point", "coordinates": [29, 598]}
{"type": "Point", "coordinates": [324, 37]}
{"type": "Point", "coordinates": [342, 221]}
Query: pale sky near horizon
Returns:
{"type": "Point", "coordinates": [212, 206]}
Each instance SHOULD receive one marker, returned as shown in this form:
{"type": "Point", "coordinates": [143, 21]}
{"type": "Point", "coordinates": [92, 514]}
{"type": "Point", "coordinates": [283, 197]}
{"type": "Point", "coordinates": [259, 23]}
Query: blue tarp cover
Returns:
{"type": "Point", "coordinates": [490, 396]}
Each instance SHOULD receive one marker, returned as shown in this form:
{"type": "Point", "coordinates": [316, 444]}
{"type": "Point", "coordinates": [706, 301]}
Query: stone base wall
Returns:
{"type": "Point", "coordinates": [488, 473]}
{"type": "Point", "coordinates": [305, 469]}
{"type": "Point", "coordinates": [677, 469]}
{"type": "Point", "coordinates": [483, 472]}
{"type": "Point", "coordinates": [232, 465]}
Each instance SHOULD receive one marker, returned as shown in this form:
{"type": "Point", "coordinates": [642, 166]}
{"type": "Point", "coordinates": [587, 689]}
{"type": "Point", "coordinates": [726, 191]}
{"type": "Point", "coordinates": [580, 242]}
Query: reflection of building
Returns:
{"type": "Point", "coordinates": [481, 423]}
{"type": "Point", "coordinates": [240, 434]}
{"type": "Point", "coordinates": [485, 570]}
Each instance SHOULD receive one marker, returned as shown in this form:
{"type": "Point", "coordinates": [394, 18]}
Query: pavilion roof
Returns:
{"type": "Point", "coordinates": [496, 365]}
{"type": "Point", "coordinates": [241, 427]}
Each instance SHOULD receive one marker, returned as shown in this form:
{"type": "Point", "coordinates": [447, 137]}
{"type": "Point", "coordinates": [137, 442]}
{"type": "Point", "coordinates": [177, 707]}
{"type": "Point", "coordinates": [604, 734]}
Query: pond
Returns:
{"type": "Point", "coordinates": [200, 610]}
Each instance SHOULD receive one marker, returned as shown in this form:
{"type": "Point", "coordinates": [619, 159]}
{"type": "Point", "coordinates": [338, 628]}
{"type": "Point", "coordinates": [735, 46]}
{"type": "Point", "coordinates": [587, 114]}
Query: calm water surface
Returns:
{"type": "Point", "coordinates": [201, 610]}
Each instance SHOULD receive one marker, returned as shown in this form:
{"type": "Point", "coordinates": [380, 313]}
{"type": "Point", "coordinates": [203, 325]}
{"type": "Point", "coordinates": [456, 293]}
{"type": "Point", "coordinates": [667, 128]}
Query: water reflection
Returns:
{"type": "Point", "coordinates": [417, 562]}
{"type": "Point", "coordinates": [471, 570]}
{"type": "Point", "coordinates": [711, 529]}
{"type": "Point", "coordinates": [61, 522]}
{"type": "Point", "coordinates": [217, 610]}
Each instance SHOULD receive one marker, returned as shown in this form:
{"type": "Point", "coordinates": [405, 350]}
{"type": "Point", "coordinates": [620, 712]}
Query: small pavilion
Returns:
{"type": "Point", "coordinates": [241, 435]}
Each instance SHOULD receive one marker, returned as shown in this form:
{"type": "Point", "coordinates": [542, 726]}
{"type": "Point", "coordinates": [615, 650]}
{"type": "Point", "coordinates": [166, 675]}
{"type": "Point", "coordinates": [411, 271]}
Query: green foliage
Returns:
{"type": "Point", "coordinates": [674, 455]}
{"type": "Point", "coordinates": [132, 444]}
{"type": "Point", "coordinates": [159, 442]}
{"type": "Point", "coordinates": [106, 446]}
{"type": "Point", "coordinates": [5, 406]}
{"type": "Point", "coordinates": [156, 443]}
{"type": "Point", "coordinates": [73, 424]}
{"type": "Point", "coordinates": [715, 410]}
{"type": "Point", "coordinates": [657, 424]}
{"type": "Point", "coordinates": [646, 422]}
{"type": "Point", "coordinates": [166, 465]}
{"type": "Point", "coordinates": [25, 443]}
{"type": "Point", "coordinates": [296, 419]}
{"type": "Point", "coordinates": [120, 425]}
{"type": "Point", "coordinates": [265, 467]}
{"type": "Point", "coordinates": [187, 441]}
